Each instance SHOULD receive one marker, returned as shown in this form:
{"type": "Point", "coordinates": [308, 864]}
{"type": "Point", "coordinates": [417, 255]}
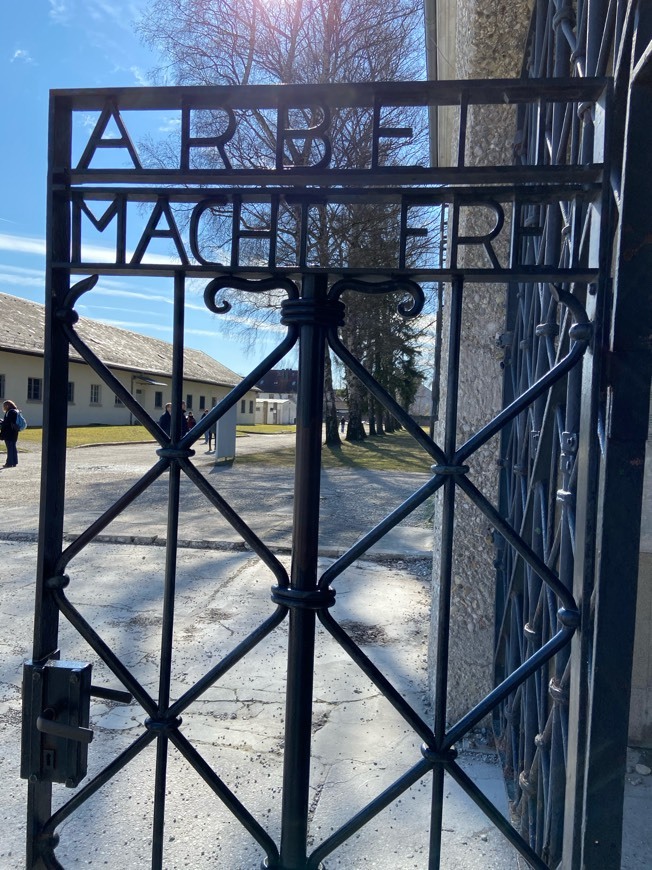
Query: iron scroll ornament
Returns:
{"type": "Point", "coordinates": [231, 282]}
{"type": "Point", "coordinates": [394, 285]}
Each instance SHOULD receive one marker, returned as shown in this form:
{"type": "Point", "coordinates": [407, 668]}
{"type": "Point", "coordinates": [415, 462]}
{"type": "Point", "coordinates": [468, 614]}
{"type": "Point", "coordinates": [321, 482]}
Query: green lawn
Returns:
{"type": "Point", "coordinates": [395, 452]}
{"type": "Point", "coordinates": [266, 429]}
{"type": "Point", "coordinates": [79, 435]}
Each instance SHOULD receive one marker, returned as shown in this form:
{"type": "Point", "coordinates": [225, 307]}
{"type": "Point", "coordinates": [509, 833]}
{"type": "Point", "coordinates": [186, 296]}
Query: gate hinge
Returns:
{"type": "Point", "coordinates": [56, 714]}
{"type": "Point", "coordinates": [569, 446]}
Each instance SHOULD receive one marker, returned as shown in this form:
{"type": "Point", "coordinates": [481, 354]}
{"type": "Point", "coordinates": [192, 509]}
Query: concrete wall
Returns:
{"type": "Point", "coordinates": [476, 39]}
{"type": "Point", "coordinates": [473, 42]}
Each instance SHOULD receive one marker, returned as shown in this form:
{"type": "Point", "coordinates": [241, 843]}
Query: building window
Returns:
{"type": "Point", "coordinates": [243, 406]}
{"type": "Point", "coordinates": [202, 403]}
{"type": "Point", "coordinates": [34, 389]}
{"type": "Point", "coordinates": [213, 401]}
{"type": "Point", "coordinates": [95, 394]}
{"type": "Point", "coordinates": [158, 399]}
{"type": "Point", "coordinates": [71, 392]}
{"type": "Point", "coordinates": [189, 402]}
{"type": "Point", "coordinates": [251, 406]}
{"type": "Point", "coordinates": [2, 386]}
{"type": "Point", "coordinates": [117, 401]}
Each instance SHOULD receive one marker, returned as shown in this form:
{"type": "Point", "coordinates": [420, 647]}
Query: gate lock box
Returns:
{"type": "Point", "coordinates": [56, 714]}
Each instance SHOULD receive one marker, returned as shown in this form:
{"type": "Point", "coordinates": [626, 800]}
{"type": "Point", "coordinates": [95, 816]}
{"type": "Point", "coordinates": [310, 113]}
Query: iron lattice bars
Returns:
{"type": "Point", "coordinates": [312, 314]}
{"type": "Point", "coordinates": [564, 756]}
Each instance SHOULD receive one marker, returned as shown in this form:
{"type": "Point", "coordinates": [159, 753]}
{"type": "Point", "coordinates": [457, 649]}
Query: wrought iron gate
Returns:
{"type": "Point", "coordinates": [572, 464]}
{"type": "Point", "coordinates": [290, 188]}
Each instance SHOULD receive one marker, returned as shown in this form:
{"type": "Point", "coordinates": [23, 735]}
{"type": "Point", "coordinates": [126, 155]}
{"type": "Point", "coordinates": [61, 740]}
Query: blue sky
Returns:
{"type": "Point", "coordinates": [48, 44]}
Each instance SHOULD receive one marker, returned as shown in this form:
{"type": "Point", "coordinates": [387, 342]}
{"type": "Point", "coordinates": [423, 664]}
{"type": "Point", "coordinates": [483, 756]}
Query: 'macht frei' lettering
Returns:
{"type": "Point", "coordinates": [117, 210]}
{"type": "Point", "coordinates": [161, 224]}
{"type": "Point", "coordinates": [161, 210]}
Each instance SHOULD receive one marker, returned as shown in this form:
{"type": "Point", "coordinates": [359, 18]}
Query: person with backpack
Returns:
{"type": "Point", "coordinates": [9, 429]}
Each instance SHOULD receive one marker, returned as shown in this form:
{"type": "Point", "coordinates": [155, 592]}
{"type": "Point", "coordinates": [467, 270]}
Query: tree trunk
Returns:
{"type": "Point", "coordinates": [355, 430]}
{"type": "Point", "coordinates": [330, 409]}
{"type": "Point", "coordinates": [372, 418]}
{"type": "Point", "coordinates": [379, 417]}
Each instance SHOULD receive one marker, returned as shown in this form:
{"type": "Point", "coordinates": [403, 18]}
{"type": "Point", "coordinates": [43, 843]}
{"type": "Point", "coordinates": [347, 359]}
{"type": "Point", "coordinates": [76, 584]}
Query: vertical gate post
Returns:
{"type": "Point", "coordinates": [603, 653]}
{"type": "Point", "coordinates": [55, 417]}
{"type": "Point", "coordinates": [301, 632]}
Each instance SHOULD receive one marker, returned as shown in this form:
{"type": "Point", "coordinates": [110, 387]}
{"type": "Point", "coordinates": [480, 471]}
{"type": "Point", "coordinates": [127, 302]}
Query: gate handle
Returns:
{"type": "Point", "coordinates": [46, 724]}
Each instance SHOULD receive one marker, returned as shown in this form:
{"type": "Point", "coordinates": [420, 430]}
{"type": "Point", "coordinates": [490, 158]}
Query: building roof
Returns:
{"type": "Point", "coordinates": [22, 328]}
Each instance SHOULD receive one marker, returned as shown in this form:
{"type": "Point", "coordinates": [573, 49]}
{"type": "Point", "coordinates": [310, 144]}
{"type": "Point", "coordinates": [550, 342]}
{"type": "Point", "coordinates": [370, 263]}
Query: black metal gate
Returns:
{"type": "Point", "coordinates": [572, 464]}
{"type": "Point", "coordinates": [290, 188]}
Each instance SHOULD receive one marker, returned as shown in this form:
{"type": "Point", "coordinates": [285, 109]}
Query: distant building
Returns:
{"type": "Point", "coordinates": [276, 408]}
{"type": "Point", "coordinates": [279, 381]}
{"type": "Point", "coordinates": [142, 365]}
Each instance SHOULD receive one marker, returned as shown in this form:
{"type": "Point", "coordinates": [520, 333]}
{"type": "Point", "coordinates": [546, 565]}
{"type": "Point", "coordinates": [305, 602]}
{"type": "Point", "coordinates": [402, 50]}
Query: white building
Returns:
{"type": "Point", "coordinates": [143, 365]}
{"type": "Point", "coordinates": [276, 408]}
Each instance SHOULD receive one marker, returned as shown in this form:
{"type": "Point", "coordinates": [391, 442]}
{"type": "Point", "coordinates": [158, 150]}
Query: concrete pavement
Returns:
{"type": "Point", "coordinates": [352, 501]}
{"type": "Point", "coordinates": [360, 744]}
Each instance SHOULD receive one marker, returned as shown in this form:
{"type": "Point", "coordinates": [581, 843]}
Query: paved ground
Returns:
{"type": "Point", "coordinates": [352, 501]}
{"type": "Point", "coordinates": [360, 744]}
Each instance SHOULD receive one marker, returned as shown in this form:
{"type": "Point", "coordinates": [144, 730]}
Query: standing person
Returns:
{"type": "Point", "coordinates": [165, 420]}
{"type": "Point", "coordinates": [191, 420]}
{"type": "Point", "coordinates": [207, 432]}
{"type": "Point", "coordinates": [9, 433]}
{"type": "Point", "coordinates": [184, 420]}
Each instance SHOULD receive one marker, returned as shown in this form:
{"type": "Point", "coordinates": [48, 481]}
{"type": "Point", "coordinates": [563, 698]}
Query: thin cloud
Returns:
{"type": "Point", "coordinates": [22, 56]}
{"type": "Point", "coordinates": [60, 11]}
{"type": "Point", "coordinates": [133, 311]}
{"type": "Point", "coordinates": [21, 270]}
{"type": "Point", "coordinates": [119, 14]}
{"type": "Point", "coordinates": [95, 253]}
{"type": "Point", "coordinates": [22, 244]}
{"type": "Point", "coordinates": [139, 76]}
{"type": "Point", "coordinates": [21, 280]}
{"type": "Point", "coordinates": [249, 322]}
{"type": "Point", "coordinates": [170, 125]}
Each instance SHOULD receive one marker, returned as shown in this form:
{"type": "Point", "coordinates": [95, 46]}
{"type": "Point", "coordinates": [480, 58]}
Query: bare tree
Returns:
{"type": "Point", "coordinates": [294, 42]}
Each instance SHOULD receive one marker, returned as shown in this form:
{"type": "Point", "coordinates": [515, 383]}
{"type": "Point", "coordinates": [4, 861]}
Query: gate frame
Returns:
{"type": "Point", "coordinates": [617, 379]}
{"type": "Point", "coordinates": [303, 595]}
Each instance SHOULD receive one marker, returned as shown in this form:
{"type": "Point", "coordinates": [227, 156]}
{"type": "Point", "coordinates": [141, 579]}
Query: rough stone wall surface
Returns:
{"type": "Point", "coordinates": [490, 37]}
{"type": "Point", "coordinates": [490, 44]}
